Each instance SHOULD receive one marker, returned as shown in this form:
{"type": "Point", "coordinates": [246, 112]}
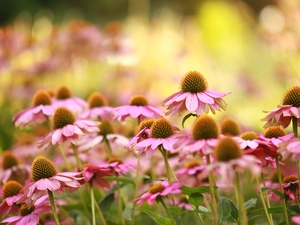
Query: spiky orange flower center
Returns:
{"type": "Point", "coordinates": [63, 93]}
{"type": "Point", "coordinates": [11, 188]}
{"type": "Point", "coordinates": [112, 160]}
{"type": "Point", "coordinates": [96, 100]}
{"type": "Point", "coordinates": [41, 97]}
{"type": "Point", "coordinates": [205, 127]}
{"type": "Point", "coordinates": [106, 128]}
{"type": "Point", "coordinates": [26, 209]}
{"type": "Point", "coordinates": [290, 178]}
{"type": "Point", "coordinates": [194, 82]}
{"type": "Point", "coordinates": [42, 167]}
{"type": "Point", "coordinates": [230, 127]}
{"type": "Point", "coordinates": [62, 117]}
{"type": "Point", "coordinates": [146, 124]}
{"type": "Point", "coordinates": [191, 164]}
{"type": "Point", "coordinates": [161, 128]}
{"type": "Point", "coordinates": [249, 135]}
{"type": "Point", "coordinates": [274, 132]}
{"type": "Point", "coordinates": [138, 100]}
{"type": "Point", "coordinates": [9, 160]}
{"type": "Point", "coordinates": [292, 97]}
{"type": "Point", "coordinates": [156, 188]}
{"type": "Point", "coordinates": [226, 150]}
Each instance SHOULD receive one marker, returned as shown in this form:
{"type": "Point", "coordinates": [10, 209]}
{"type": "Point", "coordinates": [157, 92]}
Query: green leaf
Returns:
{"type": "Point", "coordinates": [250, 203]}
{"type": "Point", "coordinates": [196, 199]}
{"type": "Point", "coordinates": [161, 220]}
{"type": "Point", "coordinates": [224, 210]}
{"type": "Point", "coordinates": [175, 211]}
{"type": "Point", "coordinates": [127, 212]}
{"type": "Point", "coordinates": [186, 117]}
{"type": "Point", "coordinates": [202, 189]}
{"type": "Point", "coordinates": [277, 209]}
{"type": "Point", "coordinates": [281, 195]}
{"type": "Point", "coordinates": [252, 220]}
{"type": "Point", "coordinates": [121, 179]}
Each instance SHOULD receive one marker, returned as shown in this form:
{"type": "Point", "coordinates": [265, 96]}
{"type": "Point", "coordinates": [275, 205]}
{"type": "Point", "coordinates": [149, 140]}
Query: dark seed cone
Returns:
{"type": "Point", "coordinates": [193, 82]}
{"type": "Point", "coordinates": [274, 132]}
{"type": "Point", "coordinates": [292, 97]}
{"type": "Point", "coordinates": [26, 209]}
{"type": "Point", "coordinates": [63, 93]}
{"type": "Point", "coordinates": [146, 124]}
{"type": "Point", "coordinates": [227, 149]}
{"type": "Point", "coordinates": [249, 135]}
{"type": "Point", "coordinates": [42, 167]}
{"type": "Point", "coordinates": [41, 97]}
{"type": "Point", "coordinates": [9, 160]}
{"type": "Point", "coordinates": [106, 128]}
{"type": "Point", "coordinates": [62, 117]}
{"type": "Point", "coordinates": [192, 164]}
{"type": "Point", "coordinates": [230, 127]}
{"type": "Point", "coordinates": [205, 127]}
{"type": "Point", "coordinates": [161, 128]}
{"type": "Point", "coordinates": [138, 100]}
{"type": "Point", "coordinates": [96, 100]}
{"type": "Point", "coordinates": [112, 160]}
{"type": "Point", "coordinates": [156, 188]}
{"type": "Point", "coordinates": [11, 188]}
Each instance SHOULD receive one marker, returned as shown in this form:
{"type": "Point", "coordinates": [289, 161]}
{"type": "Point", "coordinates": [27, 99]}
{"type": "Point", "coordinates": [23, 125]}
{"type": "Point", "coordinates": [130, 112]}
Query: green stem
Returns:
{"type": "Point", "coordinates": [167, 210]}
{"type": "Point", "coordinates": [92, 204]}
{"type": "Point", "coordinates": [263, 202]}
{"type": "Point", "coordinates": [243, 220]}
{"type": "Point", "coordinates": [62, 152]}
{"type": "Point", "coordinates": [267, 197]}
{"type": "Point", "coordinates": [136, 189]}
{"type": "Point", "coordinates": [100, 212]}
{"type": "Point", "coordinates": [212, 193]}
{"type": "Point", "coordinates": [295, 126]}
{"type": "Point", "coordinates": [164, 154]}
{"type": "Point", "coordinates": [77, 157]}
{"type": "Point", "coordinates": [120, 205]}
{"type": "Point", "coordinates": [108, 148]}
{"type": "Point", "coordinates": [51, 198]}
{"type": "Point", "coordinates": [282, 191]}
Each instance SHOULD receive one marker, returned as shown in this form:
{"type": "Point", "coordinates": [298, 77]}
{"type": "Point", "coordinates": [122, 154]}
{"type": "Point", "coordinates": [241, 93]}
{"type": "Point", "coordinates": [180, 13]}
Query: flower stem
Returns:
{"type": "Point", "coordinates": [295, 130]}
{"type": "Point", "coordinates": [100, 212]}
{"type": "Point", "coordinates": [167, 210]}
{"type": "Point", "coordinates": [263, 202]}
{"type": "Point", "coordinates": [51, 198]}
{"type": "Point", "coordinates": [92, 204]}
{"type": "Point", "coordinates": [243, 220]}
{"type": "Point", "coordinates": [136, 189]}
{"type": "Point", "coordinates": [108, 148]}
{"type": "Point", "coordinates": [64, 157]}
{"type": "Point", "coordinates": [77, 157]}
{"type": "Point", "coordinates": [282, 191]}
{"type": "Point", "coordinates": [120, 205]}
{"type": "Point", "coordinates": [168, 172]}
{"type": "Point", "coordinates": [267, 197]}
{"type": "Point", "coordinates": [212, 193]}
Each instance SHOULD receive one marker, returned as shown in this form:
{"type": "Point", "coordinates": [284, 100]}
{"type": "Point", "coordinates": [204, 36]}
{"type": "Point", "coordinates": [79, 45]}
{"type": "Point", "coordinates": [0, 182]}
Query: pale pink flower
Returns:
{"type": "Point", "coordinates": [67, 128]}
{"type": "Point", "coordinates": [281, 116]}
{"type": "Point", "coordinates": [96, 176]}
{"type": "Point", "coordinates": [190, 172]}
{"type": "Point", "coordinates": [194, 97]}
{"type": "Point", "coordinates": [274, 142]}
{"type": "Point", "coordinates": [182, 202]}
{"type": "Point", "coordinates": [296, 219]}
{"type": "Point", "coordinates": [103, 112]}
{"type": "Point", "coordinates": [273, 185]}
{"type": "Point", "coordinates": [290, 149]}
{"type": "Point", "coordinates": [143, 134]}
{"type": "Point", "coordinates": [32, 210]}
{"type": "Point", "coordinates": [138, 108]}
{"type": "Point", "coordinates": [11, 194]}
{"type": "Point", "coordinates": [119, 166]}
{"type": "Point", "coordinates": [157, 191]}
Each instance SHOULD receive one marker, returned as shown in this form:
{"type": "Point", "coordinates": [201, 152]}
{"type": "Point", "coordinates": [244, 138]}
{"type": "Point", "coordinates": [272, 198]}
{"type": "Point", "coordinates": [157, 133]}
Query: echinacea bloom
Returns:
{"type": "Point", "coordinates": [290, 149]}
{"type": "Point", "coordinates": [230, 127]}
{"type": "Point", "coordinates": [273, 183]}
{"type": "Point", "coordinates": [192, 169]}
{"type": "Point", "coordinates": [138, 108]}
{"type": "Point", "coordinates": [30, 213]}
{"type": "Point", "coordinates": [183, 203]}
{"type": "Point", "coordinates": [64, 98]}
{"type": "Point", "coordinates": [291, 187]}
{"type": "Point", "coordinates": [13, 169]}
{"type": "Point", "coordinates": [98, 108]}
{"type": "Point", "coordinates": [96, 175]}
{"type": "Point", "coordinates": [67, 128]}
{"type": "Point", "coordinates": [161, 135]}
{"type": "Point", "coordinates": [41, 111]}
{"type": "Point", "coordinates": [46, 177]}
{"type": "Point", "coordinates": [118, 166]}
{"type": "Point", "coordinates": [230, 159]}
{"type": "Point", "coordinates": [201, 140]}
{"type": "Point", "coordinates": [11, 194]}
{"type": "Point", "coordinates": [158, 191]}
{"type": "Point", "coordinates": [289, 108]}
{"type": "Point", "coordinates": [194, 96]}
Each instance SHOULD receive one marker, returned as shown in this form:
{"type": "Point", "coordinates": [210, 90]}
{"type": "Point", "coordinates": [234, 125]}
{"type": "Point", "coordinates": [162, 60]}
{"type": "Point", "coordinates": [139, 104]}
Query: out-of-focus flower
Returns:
{"type": "Point", "coordinates": [289, 108]}
{"type": "Point", "coordinates": [296, 219]}
{"type": "Point", "coordinates": [30, 213]}
{"type": "Point", "coordinates": [67, 128]}
{"type": "Point", "coordinates": [11, 194]}
{"type": "Point", "coordinates": [183, 202]}
{"type": "Point", "coordinates": [64, 98]}
{"type": "Point", "coordinates": [41, 111]}
{"type": "Point", "coordinates": [161, 134]}
{"type": "Point", "coordinates": [118, 166]}
{"type": "Point", "coordinates": [138, 108]}
{"type": "Point", "coordinates": [230, 127]}
{"type": "Point", "coordinates": [192, 169]}
{"type": "Point", "coordinates": [46, 177]}
{"type": "Point", "coordinates": [229, 159]}
{"type": "Point", "coordinates": [194, 96]}
{"type": "Point", "coordinates": [291, 187]}
{"type": "Point", "coordinates": [13, 169]}
{"type": "Point", "coordinates": [290, 149]}
{"type": "Point", "coordinates": [98, 108]}
{"type": "Point", "coordinates": [158, 191]}
{"type": "Point", "coordinates": [96, 175]}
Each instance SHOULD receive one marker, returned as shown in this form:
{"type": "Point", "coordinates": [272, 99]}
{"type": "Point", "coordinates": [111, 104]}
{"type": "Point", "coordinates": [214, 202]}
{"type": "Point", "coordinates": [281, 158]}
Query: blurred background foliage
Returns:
{"type": "Point", "coordinates": [121, 48]}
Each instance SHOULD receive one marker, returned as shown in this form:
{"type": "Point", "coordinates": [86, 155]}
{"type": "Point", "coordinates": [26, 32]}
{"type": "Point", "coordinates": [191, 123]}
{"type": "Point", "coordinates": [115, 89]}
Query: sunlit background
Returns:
{"type": "Point", "coordinates": [121, 48]}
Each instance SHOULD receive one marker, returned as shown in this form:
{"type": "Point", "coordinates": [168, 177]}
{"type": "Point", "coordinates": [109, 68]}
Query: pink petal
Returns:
{"type": "Point", "coordinates": [56, 136]}
{"type": "Point", "coordinates": [191, 102]}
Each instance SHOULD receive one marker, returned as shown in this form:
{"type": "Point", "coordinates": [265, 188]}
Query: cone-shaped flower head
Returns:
{"type": "Point", "coordinates": [9, 160]}
{"type": "Point", "coordinates": [63, 93]}
{"type": "Point", "coordinates": [26, 209]}
{"type": "Point", "coordinates": [42, 167]}
{"type": "Point", "coordinates": [274, 132]}
{"type": "Point", "coordinates": [292, 97]}
{"type": "Point", "coordinates": [249, 135]}
{"type": "Point", "coordinates": [41, 97]}
{"type": "Point", "coordinates": [290, 183]}
{"type": "Point", "coordinates": [146, 124]}
{"type": "Point", "coordinates": [11, 188]}
{"type": "Point", "coordinates": [106, 128]}
{"type": "Point", "coordinates": [227, 149]}
{"type": "Point", "coordinates": [194, 96]}
{"type": "Point", "coordinates": [230, 127]}
{"type": "Point", "coordinates": [161, 128]}
{"type": "Point", "coordinates": [96, 99]}
{"type": "Point", "coordinates": [62, 117]}
{"type": "Point", "coordinates": [138, 100]}
{"type": "Point", "coordinates": [205, 127]}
